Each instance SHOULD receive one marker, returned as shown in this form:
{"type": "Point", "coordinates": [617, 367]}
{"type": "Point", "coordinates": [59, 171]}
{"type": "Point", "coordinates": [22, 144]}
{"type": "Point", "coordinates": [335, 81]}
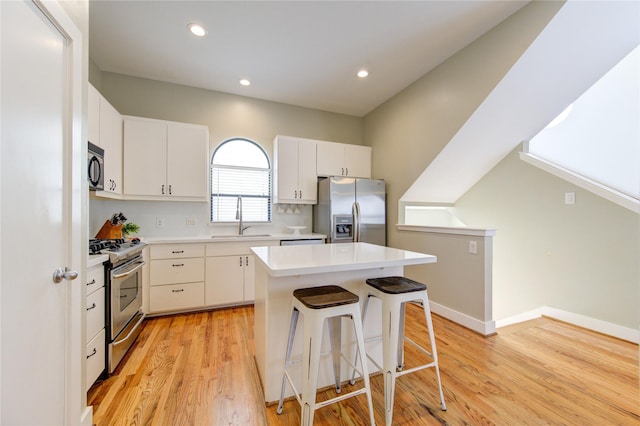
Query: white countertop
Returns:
{"type": "Point", "coordinates": [281, 261]}
{"type": "Point", "coordinates": [232, 238]}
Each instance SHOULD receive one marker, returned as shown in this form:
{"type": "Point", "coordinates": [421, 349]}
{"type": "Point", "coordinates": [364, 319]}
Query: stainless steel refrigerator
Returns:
{"type": "Point", "coordinates": [351, 210]}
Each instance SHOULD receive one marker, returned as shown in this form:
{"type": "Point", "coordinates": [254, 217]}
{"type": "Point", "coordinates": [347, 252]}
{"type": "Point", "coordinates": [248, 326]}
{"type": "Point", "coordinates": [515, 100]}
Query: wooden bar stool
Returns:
{"type": "Point", "coordinates": [317, 304]}
{"type": "Point", "coordinates": [395, 292]}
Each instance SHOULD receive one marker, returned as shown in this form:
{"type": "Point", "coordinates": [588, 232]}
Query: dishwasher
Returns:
{"type": "Point", "coordinates": [300, 242]}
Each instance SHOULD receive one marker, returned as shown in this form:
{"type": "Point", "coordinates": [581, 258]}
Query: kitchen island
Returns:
{"type": "Point", "coordinates": [282, 269]}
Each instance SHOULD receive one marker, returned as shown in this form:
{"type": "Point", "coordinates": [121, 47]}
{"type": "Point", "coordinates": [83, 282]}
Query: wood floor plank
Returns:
{"type": "Point", "coordinates": [199, 369]}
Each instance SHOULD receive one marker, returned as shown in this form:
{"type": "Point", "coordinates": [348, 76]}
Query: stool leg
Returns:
{"type": "Point", "coordinates": [357, 324]}
{"type": "Point", "coordinates": [434, 352]}
{"type": "Point", "coordinates": [400, 362]}
{"type": "Point", "coordinates": [335, 335]}
{"type": "Point", "coordinates": [365, 306]}
{"type": "Point", "coordinates": [310, 367]}
{"type": "Point", "coordinates": [287, 360]}
{"type": "Point", "coordinates": [390, 341]}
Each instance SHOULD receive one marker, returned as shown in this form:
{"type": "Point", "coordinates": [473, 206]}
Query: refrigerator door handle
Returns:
{"type": "Point", "coordinates": [356, 222]}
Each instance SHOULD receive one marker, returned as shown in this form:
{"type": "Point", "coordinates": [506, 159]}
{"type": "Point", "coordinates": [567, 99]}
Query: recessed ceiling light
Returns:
{"type": "Point", "coordinates": [197, 29]}
{"type": "Point", "coordinates": [363, 73]}
{"type": "Point", "coordinates": [245, 82]}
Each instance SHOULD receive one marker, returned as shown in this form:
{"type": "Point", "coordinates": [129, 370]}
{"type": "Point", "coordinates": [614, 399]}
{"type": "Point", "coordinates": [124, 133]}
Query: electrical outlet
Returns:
{"type": "Point", "coordinates": [569, 197]}
{"type": "Point", "coordinates": [473, 247]}
{"type": "Point", "coordinates": [191, 222]}
{"type": "Point", "coordinates": [159, 222]}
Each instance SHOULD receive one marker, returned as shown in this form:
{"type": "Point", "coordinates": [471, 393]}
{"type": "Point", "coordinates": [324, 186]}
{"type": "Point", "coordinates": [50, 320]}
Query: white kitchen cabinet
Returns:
{"type": "Point", "coordinates": [165, 160]}
{"type": "Point", "coordinates": [339, 159]}
{"type": "Point", "coordinates": [225, 282]}
{"type": "Point", "coordinates": [230, 272]}
{"type": "Point", "coordinates": [176, 297]}
{"type": "Point", "coordinates": [95, 324]}
{"type": "Point", "coordinates": [294, 170]}
{"type": "Point", "coordinates": [105, 130]}
{"type": "Point", "coordinates": [176, 277]}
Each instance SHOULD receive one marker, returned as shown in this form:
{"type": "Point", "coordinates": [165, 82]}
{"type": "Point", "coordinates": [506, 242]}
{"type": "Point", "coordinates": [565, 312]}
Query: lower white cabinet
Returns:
{"type": "Point", "coordinates": [176, 296]}
{"type": "Point", "coordinates": [190, 276]}
{"type": "Point", "coordinates": [176, 277]}
{"type": "Point", "coordinates": [230, 279]}
{"type": "Point", "coordinates": [95, 324]}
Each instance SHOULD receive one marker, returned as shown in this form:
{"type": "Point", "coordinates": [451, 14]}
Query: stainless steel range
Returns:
{"type": "Point", "coordinates": [124, 314]}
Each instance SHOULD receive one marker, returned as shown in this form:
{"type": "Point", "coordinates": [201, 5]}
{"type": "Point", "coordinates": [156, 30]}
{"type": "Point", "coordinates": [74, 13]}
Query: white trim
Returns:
{"type": "Point", "coordinates": [477, 232]}
{"type": "Point", "coordinates": [590, 185]}
{"type": "Point", "coordinates": [599, 326]}
{"type": "Point", "coordinates": [485, 328]}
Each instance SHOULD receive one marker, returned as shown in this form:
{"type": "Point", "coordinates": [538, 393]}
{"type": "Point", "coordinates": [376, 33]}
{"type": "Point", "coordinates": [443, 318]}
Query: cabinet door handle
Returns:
{"type": "Point", "coordinates": [295, 194]}
{"type": "Point", "coordinates": [169, 189]}
{"type": "Point", "coordinates": [177, 251]}
{"type": "Point", "coordinates": [162, 189]}
{"type": "Point", "coordinates": [347, 171]}
{"type": "Point", "coordinates": [177, 265]}
{"type": "Point", "coordinates": [342, 171]}
{"type": "Point", "coordinates": [92, 353]}
{"type": "Point", "coordinates": [93, 281]}
{"type": "Point", "coordinates": [177, 291]}
{"type": "Point", "coordinates": [246, 261]}
{"type": "Point", "coordinates": [93, 306]}
{"type": "Point", "coordinates": [240, 260]}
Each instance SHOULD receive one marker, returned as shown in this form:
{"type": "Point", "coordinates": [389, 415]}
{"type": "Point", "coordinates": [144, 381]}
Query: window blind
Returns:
{"type": "Point", "coordinates": [251, 183]}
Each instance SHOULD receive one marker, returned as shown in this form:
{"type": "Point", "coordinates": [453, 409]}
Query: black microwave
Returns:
{"type": "Point", "coordinates": [95, 169]}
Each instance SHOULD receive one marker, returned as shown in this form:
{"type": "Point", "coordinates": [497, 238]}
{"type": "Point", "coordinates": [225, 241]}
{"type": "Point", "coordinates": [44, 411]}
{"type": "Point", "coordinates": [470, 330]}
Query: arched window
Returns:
{"type": "Point", "coordinates": [240, 168]}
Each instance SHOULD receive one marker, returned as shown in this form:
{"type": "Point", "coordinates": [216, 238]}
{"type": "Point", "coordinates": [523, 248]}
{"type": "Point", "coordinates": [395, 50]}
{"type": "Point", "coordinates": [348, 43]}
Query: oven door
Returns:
{"type": "Point", "coordinates": [126, 295]}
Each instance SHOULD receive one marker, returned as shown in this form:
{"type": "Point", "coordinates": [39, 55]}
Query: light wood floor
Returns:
{"type": "Point", "coordinates": [198, 369]}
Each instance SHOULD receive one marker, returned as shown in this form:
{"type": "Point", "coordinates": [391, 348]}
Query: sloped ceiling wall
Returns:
{"type": "Point", "coordinates": [579, 45]}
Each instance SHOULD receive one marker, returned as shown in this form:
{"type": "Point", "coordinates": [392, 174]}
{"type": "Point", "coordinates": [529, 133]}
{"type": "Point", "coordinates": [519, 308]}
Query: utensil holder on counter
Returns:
{"type": "Point", "coordinates": [109, 232]}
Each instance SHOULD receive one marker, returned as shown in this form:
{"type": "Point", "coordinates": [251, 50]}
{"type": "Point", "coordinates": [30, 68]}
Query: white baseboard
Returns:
{"type": "Point", "coordinates": [484, 328]}
{"type": "Point", "coordinates": [610, 329]}
{"type": "Point", "coordinates": [86, 418]}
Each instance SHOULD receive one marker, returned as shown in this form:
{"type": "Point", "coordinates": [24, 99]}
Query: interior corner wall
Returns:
{"type": "Point", "coordinates": [408, 131]}
{"type": "Point", "coordinates": [581, 258]}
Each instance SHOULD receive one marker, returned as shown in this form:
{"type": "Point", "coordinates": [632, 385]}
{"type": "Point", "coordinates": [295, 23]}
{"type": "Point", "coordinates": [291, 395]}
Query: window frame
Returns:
{"type": "Point", "coordinates": [268, 169]}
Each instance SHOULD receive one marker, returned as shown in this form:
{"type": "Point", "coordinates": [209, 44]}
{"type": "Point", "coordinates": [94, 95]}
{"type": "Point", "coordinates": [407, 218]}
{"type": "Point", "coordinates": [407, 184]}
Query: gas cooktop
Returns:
{"type": "Point", "coordinates": [117, 249]}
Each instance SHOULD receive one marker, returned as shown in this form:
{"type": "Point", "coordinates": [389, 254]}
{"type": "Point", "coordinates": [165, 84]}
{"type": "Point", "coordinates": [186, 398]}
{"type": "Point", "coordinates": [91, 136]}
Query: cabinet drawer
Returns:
{"type": "Point", "coordinates": [176, 251]}
{"type": "Point", "coordinates": [95, 279]}
{"type": "Point", "coordinates": [95, 358]}
{"type": "Point", "coordinates": [176, 296]}
{"type": "Point", "coordinates": [95, 313]}
{"type": "Point", "coordinates": [173, 271]}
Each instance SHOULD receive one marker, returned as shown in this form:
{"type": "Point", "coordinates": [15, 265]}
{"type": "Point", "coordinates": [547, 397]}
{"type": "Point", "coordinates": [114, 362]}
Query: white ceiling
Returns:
{"type": "Point", "coordinates": [303, 53]}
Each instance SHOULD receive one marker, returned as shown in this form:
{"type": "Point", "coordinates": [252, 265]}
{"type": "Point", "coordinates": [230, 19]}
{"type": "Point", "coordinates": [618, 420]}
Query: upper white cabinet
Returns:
{"type": "Point", "coordinates": [339, 159]}
{"type": "Point", "coordinates": [105, 130]}
{"type": "Point", "coordinates": [165, 159]}
{"type": "Point", "coordinates": [294, 170]}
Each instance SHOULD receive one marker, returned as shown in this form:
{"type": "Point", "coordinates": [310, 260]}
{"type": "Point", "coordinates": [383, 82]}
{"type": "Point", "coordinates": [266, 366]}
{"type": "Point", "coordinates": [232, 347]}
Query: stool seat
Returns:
{"type": "Point", "coordinates": [396, 285]}
{"type": "Point", "coordinates": [326, 296]}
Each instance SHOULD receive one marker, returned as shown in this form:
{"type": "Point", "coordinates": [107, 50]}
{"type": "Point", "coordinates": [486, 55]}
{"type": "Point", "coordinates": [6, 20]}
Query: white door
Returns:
{"type": "Point", "coordinates": [40, 210]}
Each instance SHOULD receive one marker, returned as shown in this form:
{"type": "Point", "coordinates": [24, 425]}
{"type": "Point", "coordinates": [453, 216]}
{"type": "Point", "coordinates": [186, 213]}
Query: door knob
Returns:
{"type": "Point", "coordinates": [64, 274]}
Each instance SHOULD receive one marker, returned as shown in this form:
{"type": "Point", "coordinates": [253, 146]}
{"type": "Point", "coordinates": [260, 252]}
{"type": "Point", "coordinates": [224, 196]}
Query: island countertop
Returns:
{"type": "Point", "coordinates": [283, 261]}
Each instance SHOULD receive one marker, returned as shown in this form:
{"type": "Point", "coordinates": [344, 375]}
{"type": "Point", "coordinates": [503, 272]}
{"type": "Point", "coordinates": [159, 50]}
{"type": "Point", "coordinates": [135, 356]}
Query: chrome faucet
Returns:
{"type": "Point", "coordinates": [241, 227]}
